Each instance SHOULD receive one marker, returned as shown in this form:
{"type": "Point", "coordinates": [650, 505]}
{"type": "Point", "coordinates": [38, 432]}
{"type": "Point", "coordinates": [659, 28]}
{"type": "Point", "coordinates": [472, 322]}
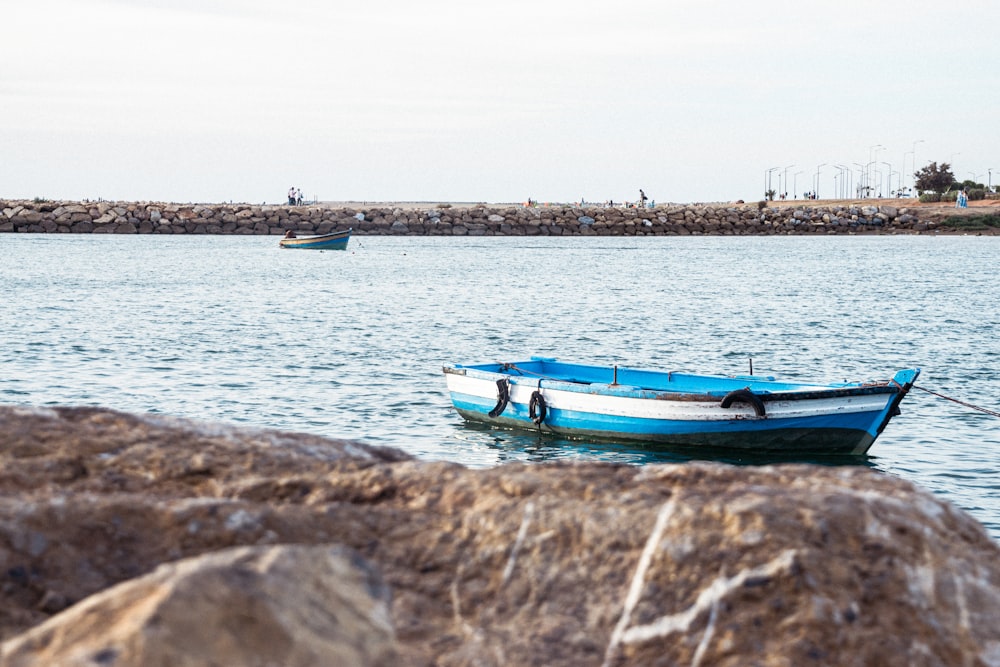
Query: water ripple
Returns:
{"type": "Point", "coordinates": [352, 344]}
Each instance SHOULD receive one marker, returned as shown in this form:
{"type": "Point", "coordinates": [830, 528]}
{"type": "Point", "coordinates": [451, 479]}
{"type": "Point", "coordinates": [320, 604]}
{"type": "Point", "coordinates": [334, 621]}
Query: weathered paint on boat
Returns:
{"type": "Point", "coordinates": [742, 412]}
{"type": "Point", "coordinates": [334, 241]}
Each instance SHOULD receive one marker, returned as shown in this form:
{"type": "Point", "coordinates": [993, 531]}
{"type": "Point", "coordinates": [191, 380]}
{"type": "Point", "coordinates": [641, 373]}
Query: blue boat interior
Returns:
{"type": "Point", "coordinates": [627, 381]}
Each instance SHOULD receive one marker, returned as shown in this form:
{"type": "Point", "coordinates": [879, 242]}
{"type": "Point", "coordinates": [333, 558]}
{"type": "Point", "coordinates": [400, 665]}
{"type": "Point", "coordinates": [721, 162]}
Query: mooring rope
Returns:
{"type": "Point", "coordinates": [524, 371]}
{"type": "Point", "coordinates": [955, 400]}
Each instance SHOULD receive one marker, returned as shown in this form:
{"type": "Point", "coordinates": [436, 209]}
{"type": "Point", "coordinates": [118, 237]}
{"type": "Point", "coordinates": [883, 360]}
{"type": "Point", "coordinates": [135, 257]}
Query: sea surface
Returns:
{"type": "Point", "coordinates": [350, 344]}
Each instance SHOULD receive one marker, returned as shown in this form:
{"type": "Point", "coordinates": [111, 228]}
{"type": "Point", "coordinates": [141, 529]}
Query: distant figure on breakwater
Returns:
{"type": "Point", "coordinates": [291, 196]}
{"type": "Point", "coordinates": [642, 199]}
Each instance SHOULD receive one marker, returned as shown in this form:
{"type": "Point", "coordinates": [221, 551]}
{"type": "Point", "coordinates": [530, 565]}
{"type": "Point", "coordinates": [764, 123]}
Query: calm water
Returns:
{"type": "Point", "coordinates": [351, 344]}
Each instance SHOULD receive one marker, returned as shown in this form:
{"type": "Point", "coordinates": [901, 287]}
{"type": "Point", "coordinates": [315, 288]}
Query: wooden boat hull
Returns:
{"type": "Point", "coordinates": [743, 412]}
{"type": "Point", "coordinates": [334, 241]}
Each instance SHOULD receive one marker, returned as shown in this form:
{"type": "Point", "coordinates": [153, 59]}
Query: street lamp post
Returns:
{"type": "Point", "coordinates": [795, 184]}
{"type": "Point", "coordinates": [869, 183]}
{"type": "Point", "coordinates": [850, 180]}
{"type": "Point", "coordinates": [767, 181]}
{"type": "Point", "coordinates": [990, 186]}
{"type": "Point", "coordinates": [861, 177]}
{"type": "Point", "coordinates": [816, 186]}
{"type": "Point", "coordinates": [918, 141]}
{"type": "Point", "coordinates": [785, 191]}
{"type": "Point", "coordinates": [875, 148]}
{"type": "Point", "coordinates": [888, 182]}
{"type": "Point", "coordinates": [844, 175]}
{"type": "Point", "coordinates": [904, 169]}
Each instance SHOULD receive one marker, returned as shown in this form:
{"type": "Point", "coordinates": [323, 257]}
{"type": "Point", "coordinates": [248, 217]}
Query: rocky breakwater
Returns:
{"type": "Point", "coordinates": [676, 220]}
{"type": "Point", "coordinates": [146, 540]}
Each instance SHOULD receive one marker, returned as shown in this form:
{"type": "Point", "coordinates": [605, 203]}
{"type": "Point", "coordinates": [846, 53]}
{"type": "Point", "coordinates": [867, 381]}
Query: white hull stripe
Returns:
{"type": "Point", "coordinates": [681, 410]}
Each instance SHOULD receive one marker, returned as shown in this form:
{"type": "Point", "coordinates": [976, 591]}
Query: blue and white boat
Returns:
{"type": "Point", "coordinates": [332, 241]}
{"type": "Point", "coordinates": [747, 412]}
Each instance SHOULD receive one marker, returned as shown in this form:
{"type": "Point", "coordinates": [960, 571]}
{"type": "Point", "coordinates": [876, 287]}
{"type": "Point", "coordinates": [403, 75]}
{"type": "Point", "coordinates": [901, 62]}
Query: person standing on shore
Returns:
{"type": "Point", "coordinates": [642, 199]}
{"type": "Point", "coordinates": [291, 196]}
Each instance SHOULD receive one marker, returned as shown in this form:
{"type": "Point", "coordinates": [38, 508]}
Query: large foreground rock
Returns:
{"type": "Point", "coordinates": [292, 606]}
{"type": "Point", "coordinates": [566, 564]}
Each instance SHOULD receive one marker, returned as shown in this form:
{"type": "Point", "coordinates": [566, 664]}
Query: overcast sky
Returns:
{"type": "Point", "coordinates": [460, 100]}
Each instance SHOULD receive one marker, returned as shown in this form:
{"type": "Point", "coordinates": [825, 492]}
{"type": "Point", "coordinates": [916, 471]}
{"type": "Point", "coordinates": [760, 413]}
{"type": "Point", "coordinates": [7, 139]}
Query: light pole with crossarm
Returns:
{"type": "Point", "coordinates": [888, 182]}
{"type": "Point", "coordinates": [816, 185]}
{"type": "Point", "coordinates": [784, 189]}
{"type": "Point", "coordinates": [767, 181]}
{"type": "Point", "coordinates": [918, 141]}
{"type": "Point", "coordinates": [871, 161]}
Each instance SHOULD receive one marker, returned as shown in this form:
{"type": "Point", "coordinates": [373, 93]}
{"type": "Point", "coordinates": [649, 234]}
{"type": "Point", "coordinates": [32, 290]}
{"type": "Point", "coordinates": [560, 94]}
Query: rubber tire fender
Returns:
{"type": "Point", "coordinates": [744, 396]}
{"type": "Point", "coordinates": [537, 409]}
{"type": "Point", "coordinates": [503, 397]}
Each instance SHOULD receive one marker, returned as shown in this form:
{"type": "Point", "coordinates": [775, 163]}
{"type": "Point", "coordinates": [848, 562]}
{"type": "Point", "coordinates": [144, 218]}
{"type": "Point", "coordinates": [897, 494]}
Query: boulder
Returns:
{"type": "Point", "coordinates": [280, 605]}
{"type": "Point", "coordinates": [557, 564]}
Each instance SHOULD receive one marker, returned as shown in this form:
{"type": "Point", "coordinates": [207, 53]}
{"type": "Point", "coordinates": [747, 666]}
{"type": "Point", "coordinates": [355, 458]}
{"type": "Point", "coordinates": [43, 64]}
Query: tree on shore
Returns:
{"type": "Point", "coordinates": [934, 179]}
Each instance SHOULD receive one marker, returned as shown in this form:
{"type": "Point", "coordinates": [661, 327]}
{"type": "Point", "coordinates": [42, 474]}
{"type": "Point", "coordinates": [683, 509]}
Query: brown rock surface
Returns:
{"type": "Point", "coordinates": [563, 564]}
{"type": "Point", "coordinates": [294, 606]}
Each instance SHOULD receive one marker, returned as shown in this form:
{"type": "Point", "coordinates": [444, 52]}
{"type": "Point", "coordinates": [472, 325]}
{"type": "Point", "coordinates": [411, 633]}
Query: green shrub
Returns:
{"type": "Point", "coordinates": [977, 193]}
{"type": "Point", "coordinates": [761, 205]}
{"type": "Point", "coordinates": [972, 223]}
{"type": "Point", "coordinates": [930, 197]}
{"type": "Point", "coordinates": [951, 195]}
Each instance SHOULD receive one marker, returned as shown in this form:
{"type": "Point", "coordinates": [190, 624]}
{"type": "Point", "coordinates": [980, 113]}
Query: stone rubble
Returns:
{"type": "Point", "coordinates": [368, 551]}
{"type": "Point", "coordinates": [673, 220]}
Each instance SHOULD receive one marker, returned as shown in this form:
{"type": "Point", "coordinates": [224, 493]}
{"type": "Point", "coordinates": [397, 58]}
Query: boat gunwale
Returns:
{"type": "Point", "coordinates": [815, 392]}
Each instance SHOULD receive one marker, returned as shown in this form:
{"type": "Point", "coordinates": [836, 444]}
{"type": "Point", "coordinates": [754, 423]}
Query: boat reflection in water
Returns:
{"type": "Point", "coordinates": [519, 445]}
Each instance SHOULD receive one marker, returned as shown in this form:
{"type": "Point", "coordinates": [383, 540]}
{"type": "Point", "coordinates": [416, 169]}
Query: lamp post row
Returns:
{"type": "Point", "coordinates": [866, 185]}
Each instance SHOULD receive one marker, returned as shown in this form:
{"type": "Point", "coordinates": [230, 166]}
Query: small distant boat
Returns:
{"type": "Point", "coordinates": [333, 241]}
{"type": "Point", "coordinates": [747, 412]}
